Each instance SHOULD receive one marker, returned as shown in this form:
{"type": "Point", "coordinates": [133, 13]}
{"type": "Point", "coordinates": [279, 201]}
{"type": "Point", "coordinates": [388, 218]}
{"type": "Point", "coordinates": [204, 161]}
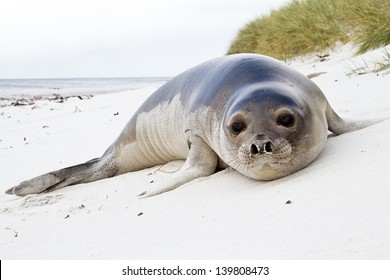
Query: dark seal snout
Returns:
{"type": "Point", "coordinates": [261, 145]}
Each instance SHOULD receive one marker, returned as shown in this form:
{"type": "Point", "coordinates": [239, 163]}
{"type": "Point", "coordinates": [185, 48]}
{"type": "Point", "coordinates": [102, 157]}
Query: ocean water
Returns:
{"type": "Point", "coordinates": [16, 88]}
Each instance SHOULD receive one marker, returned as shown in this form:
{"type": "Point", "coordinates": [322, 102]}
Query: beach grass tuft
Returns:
{"type": "Point", "coordinates": [305, 26]}
{"type": "Point", "coordinates": [369, 66]}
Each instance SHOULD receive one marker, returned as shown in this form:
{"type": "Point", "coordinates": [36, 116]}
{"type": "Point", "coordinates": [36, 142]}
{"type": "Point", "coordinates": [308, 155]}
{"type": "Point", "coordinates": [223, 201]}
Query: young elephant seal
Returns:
{"type": "Point", "coordinates": [250, 112]}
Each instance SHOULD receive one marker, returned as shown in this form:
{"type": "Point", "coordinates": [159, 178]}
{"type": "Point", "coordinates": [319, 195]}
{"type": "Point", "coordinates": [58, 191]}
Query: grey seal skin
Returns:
{"type": "Point", "coordinates": [246, 111]}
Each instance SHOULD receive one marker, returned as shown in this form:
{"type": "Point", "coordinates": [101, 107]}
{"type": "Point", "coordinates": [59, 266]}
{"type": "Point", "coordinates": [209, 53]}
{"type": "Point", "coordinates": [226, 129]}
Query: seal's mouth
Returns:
{"type": "Point", "coordinates": [262, 157]}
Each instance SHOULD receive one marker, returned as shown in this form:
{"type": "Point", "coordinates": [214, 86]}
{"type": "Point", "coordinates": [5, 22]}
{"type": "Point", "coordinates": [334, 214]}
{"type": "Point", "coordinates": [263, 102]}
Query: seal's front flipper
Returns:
{"type": "Point", "coordinates": [83, 173]}
{"type": "Point", "coordinates": [339, 125]}
{"type": "Point", "coordinates": [201, 162]}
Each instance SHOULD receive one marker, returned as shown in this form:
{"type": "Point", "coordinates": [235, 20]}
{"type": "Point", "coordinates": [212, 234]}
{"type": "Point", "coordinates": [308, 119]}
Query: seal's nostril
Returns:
{"type": "Point", "coordinates": [268, 147]}
{"type": "Point", "coordinates": [254, 149]}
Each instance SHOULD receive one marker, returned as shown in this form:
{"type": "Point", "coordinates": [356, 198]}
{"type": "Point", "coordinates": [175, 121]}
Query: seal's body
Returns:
{"type": "Point", "coordinates": [250, 112]}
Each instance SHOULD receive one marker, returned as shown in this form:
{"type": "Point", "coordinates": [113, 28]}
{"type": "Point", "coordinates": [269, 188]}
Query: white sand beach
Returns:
{"type": "Point", "coordinates": [336, 208]}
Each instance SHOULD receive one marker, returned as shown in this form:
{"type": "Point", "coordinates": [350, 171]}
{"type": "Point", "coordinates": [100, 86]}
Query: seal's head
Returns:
{"type": "Point", "coordinates": [270, 131]}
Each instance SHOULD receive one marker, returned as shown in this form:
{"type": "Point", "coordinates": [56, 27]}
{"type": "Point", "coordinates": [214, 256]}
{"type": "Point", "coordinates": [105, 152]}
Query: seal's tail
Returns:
{"type": "Point", "coordinates": [90, 171]}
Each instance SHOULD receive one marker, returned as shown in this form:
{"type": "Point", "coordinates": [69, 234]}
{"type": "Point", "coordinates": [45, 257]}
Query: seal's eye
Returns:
{"type": "Point", "coordinates": [238, 127]}
{"type": "Point", "coordinates": [286, 120]}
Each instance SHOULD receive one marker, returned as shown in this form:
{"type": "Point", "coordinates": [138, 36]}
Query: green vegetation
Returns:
{"type": "Point", "coordinates": [305, 26]}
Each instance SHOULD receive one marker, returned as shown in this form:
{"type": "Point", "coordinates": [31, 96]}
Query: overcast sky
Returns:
{"type": "Point", "coordinates": [117, 38]}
